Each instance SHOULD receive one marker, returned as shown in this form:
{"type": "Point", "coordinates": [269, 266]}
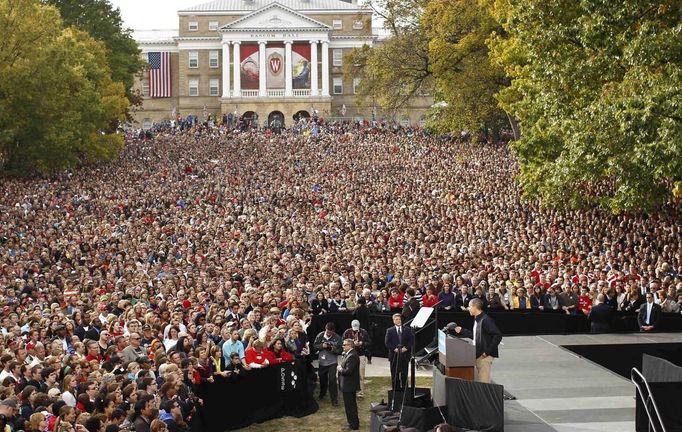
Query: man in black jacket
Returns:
{"type": "Point", "coordinates": [349, 376]}
{"type": "Point", "coordinates": [600, 316]}
{"type": "Point", "coordinates": [486, 337]}
{"type": "Point", "coordinates": [412, 305]}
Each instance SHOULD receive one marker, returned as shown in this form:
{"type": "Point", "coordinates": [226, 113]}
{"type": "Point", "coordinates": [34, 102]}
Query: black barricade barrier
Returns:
{"type": "Point", "coordinates": [256, 396]}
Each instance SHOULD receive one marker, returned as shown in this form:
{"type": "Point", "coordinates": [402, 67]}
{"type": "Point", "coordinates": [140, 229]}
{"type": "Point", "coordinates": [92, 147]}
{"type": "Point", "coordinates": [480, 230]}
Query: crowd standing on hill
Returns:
{"type": "Point", "coordinates": [201, 254]}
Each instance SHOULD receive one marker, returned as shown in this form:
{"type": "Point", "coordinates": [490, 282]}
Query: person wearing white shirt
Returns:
{"type": "Point", "coordinates": [649, 314]}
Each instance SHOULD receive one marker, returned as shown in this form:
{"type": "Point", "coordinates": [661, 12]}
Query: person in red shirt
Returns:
{"type": "Point", "coordinates": [277, 354]}
{"type": "Point", "coordinates": [255, 356]}
{"type": "Point", "coordinates": [585, 301]}
{"type": "Point", "coordinates": [430, 299]}
{"type": "Point", "coordinates": [394, 301]}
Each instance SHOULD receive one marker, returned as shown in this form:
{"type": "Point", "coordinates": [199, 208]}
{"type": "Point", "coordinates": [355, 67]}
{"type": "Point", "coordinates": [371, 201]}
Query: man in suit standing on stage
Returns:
{"type": "Point", "coordinates": [600, 316]}
{"type": "Point", "coordinates": [649, 314]}
{"type": "Point", "coordinates": [486, 337]}
{"type": "Point", "coordinates": [399, 341]}
{"type": "Point", "coordinates": [349, 377]}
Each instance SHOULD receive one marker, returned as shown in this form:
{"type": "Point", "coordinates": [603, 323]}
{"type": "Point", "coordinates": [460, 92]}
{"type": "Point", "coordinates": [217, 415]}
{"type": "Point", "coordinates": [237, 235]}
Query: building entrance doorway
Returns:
{"type": "Point", "coordinates": [276, 120]}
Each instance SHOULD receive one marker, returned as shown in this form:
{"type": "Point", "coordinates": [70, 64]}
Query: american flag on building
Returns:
{"type": "Point", "coordinates": [159, 74]}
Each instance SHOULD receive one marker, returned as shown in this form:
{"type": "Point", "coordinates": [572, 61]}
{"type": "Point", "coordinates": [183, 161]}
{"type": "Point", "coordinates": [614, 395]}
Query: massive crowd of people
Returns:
{"type": "Point", "coordinates": [201, 254]}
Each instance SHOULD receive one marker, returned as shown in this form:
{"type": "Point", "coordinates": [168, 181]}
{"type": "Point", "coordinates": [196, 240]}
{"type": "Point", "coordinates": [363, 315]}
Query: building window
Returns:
{"type": "Point", "coordinates": [213, 25]}
{"type": "Point", "coordinates": [194, 59]}
{"type": "Point", "coordinates": [145, 88]}
{"type": "Point", "coordinates": [194, 87]}
{"type": "Point", "coordinates": [193, 26]}
{"type": "Point", "coordinates": [337, 24]}
{"type": "Point", "coordinates": [338, 85]}
{"type": "Point", "coordinates": [358, 25]}
{"type": "Point", "coordinates": [356, 84]}
{"type": "Point", "coordinates": [337, 57]}
{"type": "Point", "coordinates": [147, 123]}
{"type": "Point", "coordinates": [214, 87]}
{"type": "Point", "coordinates": [213, 59]}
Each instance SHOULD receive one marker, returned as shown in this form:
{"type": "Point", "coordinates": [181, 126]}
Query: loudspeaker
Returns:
{"type": "Point", "coordinates": [421, 399]}
{"type": "Point", "coordinates": [422, 419]}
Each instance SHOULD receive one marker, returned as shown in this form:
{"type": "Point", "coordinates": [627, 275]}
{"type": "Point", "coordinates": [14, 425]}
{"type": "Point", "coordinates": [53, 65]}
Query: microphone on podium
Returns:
{"type": "Point", "coordinates": [450, 328]}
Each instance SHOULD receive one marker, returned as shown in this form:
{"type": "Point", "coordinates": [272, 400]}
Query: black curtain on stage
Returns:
{"type": "Point", "coordinates": [257, 396]}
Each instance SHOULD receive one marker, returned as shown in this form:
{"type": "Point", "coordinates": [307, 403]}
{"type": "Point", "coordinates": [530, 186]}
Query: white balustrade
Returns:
{"type": "Point", "coordinates": [301, 92]}
{"type": "Point", "coordinates": [249, 93]}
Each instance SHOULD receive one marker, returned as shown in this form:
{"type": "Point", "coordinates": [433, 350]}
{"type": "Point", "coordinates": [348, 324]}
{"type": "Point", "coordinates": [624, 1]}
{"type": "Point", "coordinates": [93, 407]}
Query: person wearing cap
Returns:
{"type": "Point", "coordinates": [362, 344]}
{"type": "Point", "coordinates": [147, 336]}
{"type": "Point", "coordinates": [8, 408]}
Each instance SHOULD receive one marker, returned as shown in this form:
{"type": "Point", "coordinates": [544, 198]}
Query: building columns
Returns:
{"type": "Point", "coordinates": [226, 69]}
{"type": "Point", "coordinates": [237, 69]}
{"type": "Point", "coordinates": [314, 87]}
{"type": "Point", "coordinates": [325, 68]}
{"type": "Point", "coordinates": [262, 74]}
{"type": "Point", "coordinates": [288, 70]}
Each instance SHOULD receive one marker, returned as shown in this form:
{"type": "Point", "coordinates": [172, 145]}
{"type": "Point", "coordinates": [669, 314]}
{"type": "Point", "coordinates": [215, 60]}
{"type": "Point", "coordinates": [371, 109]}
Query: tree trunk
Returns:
{"type": "Point", "coordinates": [515, 127]}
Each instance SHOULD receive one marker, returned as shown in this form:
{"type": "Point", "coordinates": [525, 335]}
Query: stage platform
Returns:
{"type": "Point", "coordinates": [557, 390]}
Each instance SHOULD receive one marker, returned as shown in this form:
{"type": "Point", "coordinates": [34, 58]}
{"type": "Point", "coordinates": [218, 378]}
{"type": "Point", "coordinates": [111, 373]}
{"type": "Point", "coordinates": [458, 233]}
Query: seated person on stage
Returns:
{"type": "Point", "coordinates": [649, 314]}
{"type": "Point", "coordinates": [256, 357]}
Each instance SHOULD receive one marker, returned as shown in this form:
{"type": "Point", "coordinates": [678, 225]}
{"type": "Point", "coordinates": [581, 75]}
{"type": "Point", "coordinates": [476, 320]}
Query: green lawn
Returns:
{"type": "Point", "coordinates": [333, 419]}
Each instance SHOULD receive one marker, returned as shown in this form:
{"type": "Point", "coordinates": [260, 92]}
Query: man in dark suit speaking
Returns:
{"type": "Point", "coordinates": [349, 377]}
{"type": "Point", "coordinates": [486, 337]}
{"type": "Point", "coordinates": [399, 341]}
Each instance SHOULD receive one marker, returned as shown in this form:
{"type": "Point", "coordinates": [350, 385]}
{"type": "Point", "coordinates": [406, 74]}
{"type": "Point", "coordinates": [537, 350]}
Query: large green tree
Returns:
{"type": "Point", "coordinates": [597, 86]}
{"type": "Point", "coordinates": [466, 80]}
{"type": "Point", "coordinates": [56, 93]}
{"type": "Point", "coordinates": [104, 23]}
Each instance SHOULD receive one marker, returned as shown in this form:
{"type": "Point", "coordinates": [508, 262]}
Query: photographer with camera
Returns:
{"type": "Point", "coordinates": [328, 347]}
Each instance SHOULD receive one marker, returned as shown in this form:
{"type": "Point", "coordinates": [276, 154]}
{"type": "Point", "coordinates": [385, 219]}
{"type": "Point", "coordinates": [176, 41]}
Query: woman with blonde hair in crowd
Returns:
{"type": "Point", "coordinates": [66, 419]}
{"type": "Point", "coordinates": [250, 335]}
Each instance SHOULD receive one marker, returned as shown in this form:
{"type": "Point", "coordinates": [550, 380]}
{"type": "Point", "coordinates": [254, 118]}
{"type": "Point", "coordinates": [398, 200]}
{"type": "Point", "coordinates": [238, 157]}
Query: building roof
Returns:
{"type": "Point", "coordinates": [252, 5]}
{"type": "Point", "coordinates": [155, 35]}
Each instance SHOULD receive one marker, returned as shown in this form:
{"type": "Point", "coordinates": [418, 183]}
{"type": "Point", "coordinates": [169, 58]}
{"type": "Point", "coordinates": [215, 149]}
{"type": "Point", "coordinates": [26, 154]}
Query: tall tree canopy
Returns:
{"type": "Point", "coordinates": [104, 23]}
{"type": "Point", "coordinates": [57, 97]}
{"type": "Point", "coordinates": [466, 80]}
{"type": "Point", "coordinates": [437, 47]}
{"type": "Point", "coordinates": [597, 86]}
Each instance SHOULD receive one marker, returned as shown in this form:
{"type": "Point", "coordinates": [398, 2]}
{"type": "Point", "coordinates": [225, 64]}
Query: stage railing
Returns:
{"type": "Point", "coordinates": [644, 391]}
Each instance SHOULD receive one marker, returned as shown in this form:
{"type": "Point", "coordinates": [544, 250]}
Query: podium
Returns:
{"type": "Point", "coordinates": [458, 356]}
